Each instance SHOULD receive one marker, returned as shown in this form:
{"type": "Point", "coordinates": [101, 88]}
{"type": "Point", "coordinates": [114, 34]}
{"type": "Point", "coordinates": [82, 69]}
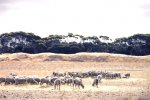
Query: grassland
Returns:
{"type": "Point", "coordinates": [137, 87]}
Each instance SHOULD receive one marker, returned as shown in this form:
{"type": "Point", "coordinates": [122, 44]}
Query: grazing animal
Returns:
{"type": "Point", "coordinates": [9, 80]}
{"type": "Point", "coordinates": [57, 84]}
{"type": "Point", "coordinates": [69, 81]}
{"type": "Point", "coordinates": [20, 80]}
{"type": "Point", "coordinates": [31, 80]}
{"type": "Point", "coordinates": [45, 80]}
{"type": "Point", "coordinates": [38, 80]}
{"type": "Point", "coordinates": [117, 75]}
{"type": "Point", "coordinates": [109, 75]}
{"type": "Point", "coordinates": [52, 80]}
{"type": "Point", "coordinates": [92, 73]}
{"type": "Point", "coordinates": [78, 82]}
{"type": "Point", "coordinates": [127, 75]}
{"type": "Point", "coordinates": [2, 80]}
{"type": "Point", "coordinates": [57, 74]}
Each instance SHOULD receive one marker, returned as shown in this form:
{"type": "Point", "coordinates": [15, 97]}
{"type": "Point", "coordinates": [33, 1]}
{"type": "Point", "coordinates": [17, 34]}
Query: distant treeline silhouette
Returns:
{"type": "Point", "coordinates": [138, 44]}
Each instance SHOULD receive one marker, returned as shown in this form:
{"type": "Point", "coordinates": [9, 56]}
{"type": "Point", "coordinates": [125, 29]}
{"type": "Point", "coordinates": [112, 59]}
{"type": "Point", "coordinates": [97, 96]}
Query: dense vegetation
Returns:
{"type": "Point", "coordinates": [138, 44]}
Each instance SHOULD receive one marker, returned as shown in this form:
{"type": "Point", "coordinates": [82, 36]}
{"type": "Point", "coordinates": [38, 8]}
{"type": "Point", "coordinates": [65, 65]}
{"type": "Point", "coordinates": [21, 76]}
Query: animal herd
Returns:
{"type": "Point", "coordinates": [73, 79]}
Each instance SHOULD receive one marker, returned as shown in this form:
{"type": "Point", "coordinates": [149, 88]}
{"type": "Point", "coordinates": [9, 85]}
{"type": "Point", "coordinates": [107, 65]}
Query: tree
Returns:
{"type": "Point", "coordinates": [138, 44]}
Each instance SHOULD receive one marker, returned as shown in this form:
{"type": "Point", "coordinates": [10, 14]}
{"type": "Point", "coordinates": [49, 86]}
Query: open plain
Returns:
{"type": "Point", "coordinates": [137, 87]}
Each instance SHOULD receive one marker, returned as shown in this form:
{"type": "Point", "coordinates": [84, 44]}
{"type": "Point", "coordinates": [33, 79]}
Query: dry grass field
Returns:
{"type": "Point", "coordinates": [137, 87]}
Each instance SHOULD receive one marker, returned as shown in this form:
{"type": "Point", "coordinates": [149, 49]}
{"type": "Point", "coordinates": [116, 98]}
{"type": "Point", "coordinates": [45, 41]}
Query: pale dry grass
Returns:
{"type": "Point", "coordinates": [135, 88]}
{"type": "Point", "coordinates": [79, 57]}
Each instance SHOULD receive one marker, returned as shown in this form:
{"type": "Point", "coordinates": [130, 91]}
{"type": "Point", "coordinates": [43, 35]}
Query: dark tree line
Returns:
{"type": "Point", "coordinates": [138, 44]}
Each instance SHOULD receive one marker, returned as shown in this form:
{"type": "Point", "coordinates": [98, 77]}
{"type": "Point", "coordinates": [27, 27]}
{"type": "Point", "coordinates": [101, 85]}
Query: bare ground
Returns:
{"type": "Point", "coordinates": [135, 88]}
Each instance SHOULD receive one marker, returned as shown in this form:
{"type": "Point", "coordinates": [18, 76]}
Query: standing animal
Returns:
{"type": "Point", "coordinates": [57, 74]}
{"type": "Point", "coordinates": [69, 81]}
{"type": "Point", "coordinates": [95, 82]}
{"type": "Point", "coordinates": [57, 84]}
{"type": "Point", "coordinates": [99, 77]}
{"type": "Point", "coordinates": [13, 74]}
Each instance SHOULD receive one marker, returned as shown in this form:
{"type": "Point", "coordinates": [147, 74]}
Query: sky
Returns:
{"type": "Point", "coordinates": [113, 18]}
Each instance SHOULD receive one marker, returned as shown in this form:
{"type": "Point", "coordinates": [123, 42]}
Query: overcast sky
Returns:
{"type": "Point", "coordinates": [113, 18]}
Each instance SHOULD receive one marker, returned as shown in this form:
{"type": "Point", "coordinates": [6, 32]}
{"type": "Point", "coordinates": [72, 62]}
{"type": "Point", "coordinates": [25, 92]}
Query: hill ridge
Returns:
{"type": "Point", "coordinates": [80, 57]}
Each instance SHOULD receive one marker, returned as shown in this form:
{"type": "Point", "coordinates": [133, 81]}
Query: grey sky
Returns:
{"type": "Point", "coordinates": [3, 6]}
{"type": "Point", "coordinates": [146, 8]}
{"type": "Point", "coordinates": [114, 18]}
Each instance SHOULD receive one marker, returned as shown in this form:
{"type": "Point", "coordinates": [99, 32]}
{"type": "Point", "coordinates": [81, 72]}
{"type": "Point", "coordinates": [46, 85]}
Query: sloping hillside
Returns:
{"type": "Point", "coordinates": [79, 57]}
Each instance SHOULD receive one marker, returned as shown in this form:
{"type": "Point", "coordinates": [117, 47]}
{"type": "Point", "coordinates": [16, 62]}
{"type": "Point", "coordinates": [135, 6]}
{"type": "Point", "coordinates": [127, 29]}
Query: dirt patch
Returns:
{"type": "Point", "coordinates": [67, 95]}
{"type": "Point", "coordinates": [53, 58]}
